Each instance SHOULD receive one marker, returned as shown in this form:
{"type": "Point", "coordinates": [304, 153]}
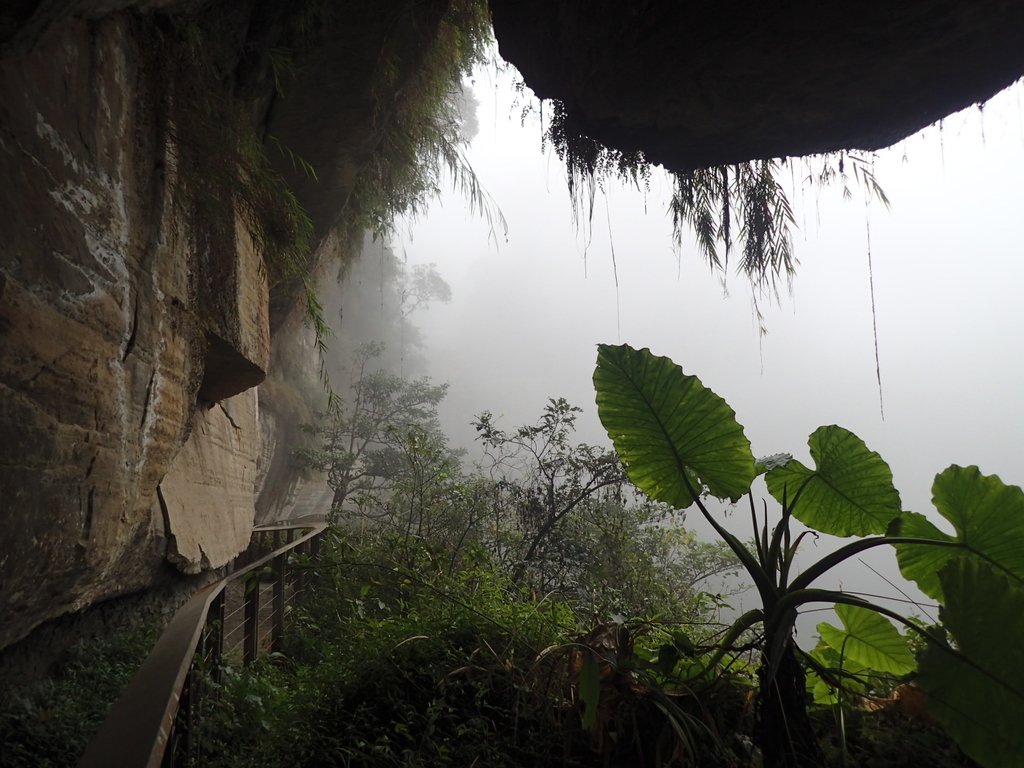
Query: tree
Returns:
{"type": "Point", "coordinates": [547, 477]}
{"type": "Point", "coordinates": [635, 558]}
{"type": "Point", "coordinates": [425, 502]}
{"type": "Point", "coordinates": [359, 446]}
{"type": "Point", "coordinates": [416, 289]}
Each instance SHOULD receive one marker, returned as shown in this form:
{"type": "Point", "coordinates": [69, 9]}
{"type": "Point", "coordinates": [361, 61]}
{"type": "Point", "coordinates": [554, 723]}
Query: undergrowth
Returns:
{"type": "Point", "coordinates": [393, 663]}
{"type": "Point", "coordinates": [398, 661]}
{"type": "Point", "coordinates": [401, 659]}
{"type": "Point", "coordinates": [48, 723]}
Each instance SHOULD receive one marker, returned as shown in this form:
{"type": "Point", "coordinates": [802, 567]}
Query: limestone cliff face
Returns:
{"type": "Point", "coordinates": [115, 339]}
{"type": "Point", "coordinates": [134, 310]}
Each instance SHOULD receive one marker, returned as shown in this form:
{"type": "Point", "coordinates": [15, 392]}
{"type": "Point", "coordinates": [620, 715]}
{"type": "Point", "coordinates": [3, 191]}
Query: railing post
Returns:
{"type": "Point", "coordinates": [315, 577]}
{"type": "Point", "coordinates": [185, 725]}
{"type": "Point", "coordinates": [299, 575]}
{"type": "Point", "coordinates": [250, 640]}
{"type": "Point", "coordinates": [277, 630]}
{"type": "Point", "coordinates": [315, 545]}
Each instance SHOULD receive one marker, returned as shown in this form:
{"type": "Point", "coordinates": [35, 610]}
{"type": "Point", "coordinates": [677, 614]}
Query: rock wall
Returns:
{"type": "Point", "coordinates": [119, 313]}
{"type": "Point", "coordinates": [133, 301]}
{"type": "Point", "coordinates": [207, 497]}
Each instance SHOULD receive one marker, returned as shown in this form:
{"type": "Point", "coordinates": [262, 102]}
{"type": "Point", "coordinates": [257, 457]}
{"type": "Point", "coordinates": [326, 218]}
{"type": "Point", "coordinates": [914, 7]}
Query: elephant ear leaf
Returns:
{"type": "Point", "coordinates": [869, 640]}
{"type": "Point", "coordinates": [848, 493]}
{"type": "Point", "coordinates": [673, 434]}
{"type": "Point", "coordinates": [977, 691]}
{"type": "Point", "coordinates": [988, 517]}
{"type": "Point", "coordinates": [850, 675]}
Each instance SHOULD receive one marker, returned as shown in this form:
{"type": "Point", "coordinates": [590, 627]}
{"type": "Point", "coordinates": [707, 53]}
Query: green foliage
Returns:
{"type": "Point", "coordinates": [833, 676]}
{"type": "Point", "coordinates": [224, 164]}
{"type": "Point", "coordinates": [988, 518]}
{"type": "Point", "coordinates": [588, 163]}
{"type": "Point", "coordinates": [563, 520]}
{"type": "Point", "coordinates": [977, 694]}
{"type": "Point", "coordinates": [399, 660]}
{"type": "Point", "coordinates": [446, 632]}
{"type": "Point", "coordinates": [420, 135]}
{"type": "Point", "coordinates": [864, 657]}
{"type": "Point", "coordinates": [849, 492]}
{"type": "Point", "coordinates": [361, 440]}
{"type": "Point", "coordinates": [396, 662]}
{"type": "Point", "coordinates": [666, 425]}
{"type": "Point", "coordinates": [546, 482]}
{"type": "Point", "coordinates": [638, 560]}
{"type": "Point", "coordinates": [429, 500]}
{"type": "Point", "coordinates": [421, 286]}
{"type": "Point", "coordinates": [712, 201]}
{"type": "Point", "coordinates": [743, 202]}
{"type": "Point", "coordinates": [869, 640]}
{"type": "Point", "coordinates": [48, 723]}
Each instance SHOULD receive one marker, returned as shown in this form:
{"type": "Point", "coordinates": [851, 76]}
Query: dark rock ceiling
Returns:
{"type": "Point", "coordinates": [702, 83]}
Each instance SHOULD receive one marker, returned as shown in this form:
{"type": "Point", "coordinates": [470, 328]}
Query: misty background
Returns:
{"type": "Point", "coordinates": [528, 307]}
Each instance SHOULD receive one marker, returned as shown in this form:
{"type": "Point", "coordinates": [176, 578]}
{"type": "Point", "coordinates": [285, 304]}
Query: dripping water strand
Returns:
{"type": "Point", "coordinates": [942, 148]}
{"type": "Point", "coordinates": [874, 315]}
{"type": "Point", "coordinates": [761, 331]}
{"type": "Point", "coordinates": [615, 272]}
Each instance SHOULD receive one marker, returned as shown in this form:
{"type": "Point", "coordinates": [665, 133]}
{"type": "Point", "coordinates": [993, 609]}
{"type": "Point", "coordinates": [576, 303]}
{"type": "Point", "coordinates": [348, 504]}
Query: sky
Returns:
{"type": "Point", "coordinates": [529, 308]}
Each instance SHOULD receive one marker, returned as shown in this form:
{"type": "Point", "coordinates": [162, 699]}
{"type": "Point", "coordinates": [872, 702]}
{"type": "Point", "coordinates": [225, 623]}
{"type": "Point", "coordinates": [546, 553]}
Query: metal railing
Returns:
{"type": "Point", "coordinates": [155, 721]}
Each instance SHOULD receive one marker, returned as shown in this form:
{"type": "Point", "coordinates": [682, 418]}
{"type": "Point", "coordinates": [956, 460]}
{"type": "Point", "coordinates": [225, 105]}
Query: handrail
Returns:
{"type": "Point", "coordinates": [137, 730]}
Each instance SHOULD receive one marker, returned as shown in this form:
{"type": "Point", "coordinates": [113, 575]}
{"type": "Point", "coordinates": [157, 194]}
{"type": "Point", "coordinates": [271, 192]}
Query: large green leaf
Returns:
{"type": "Point", "coordinates": [665, 423]}
{"type": "Point", "coordinates": [988, 517]}
{"type": "Point", "coordinates": [979, 699]}
{"type": "Point", "coordinates": [849, 673]}
{"type": "Point", "coordinates": [848, 493]}
{"type": "Point", "coordinates": [869, 641]}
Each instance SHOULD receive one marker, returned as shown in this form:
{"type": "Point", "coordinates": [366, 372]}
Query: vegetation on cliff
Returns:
{"type": "Point", "coordinates": [540, 614]}
{"type": "Point", "coordinates": [47, 723]}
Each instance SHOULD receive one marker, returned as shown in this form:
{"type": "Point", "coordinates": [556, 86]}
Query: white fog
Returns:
{"type": "Point", "coordinates": [529, 308]}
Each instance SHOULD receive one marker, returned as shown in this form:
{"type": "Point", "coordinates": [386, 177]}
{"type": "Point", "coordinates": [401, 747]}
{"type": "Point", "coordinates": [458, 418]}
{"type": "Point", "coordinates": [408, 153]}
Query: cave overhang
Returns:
{"type": "Point", "coordinates": [699, 84]}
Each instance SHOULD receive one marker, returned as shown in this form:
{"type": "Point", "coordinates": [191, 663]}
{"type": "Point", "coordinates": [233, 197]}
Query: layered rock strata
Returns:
{"type": "Point", "coordinates": [123, 335]}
